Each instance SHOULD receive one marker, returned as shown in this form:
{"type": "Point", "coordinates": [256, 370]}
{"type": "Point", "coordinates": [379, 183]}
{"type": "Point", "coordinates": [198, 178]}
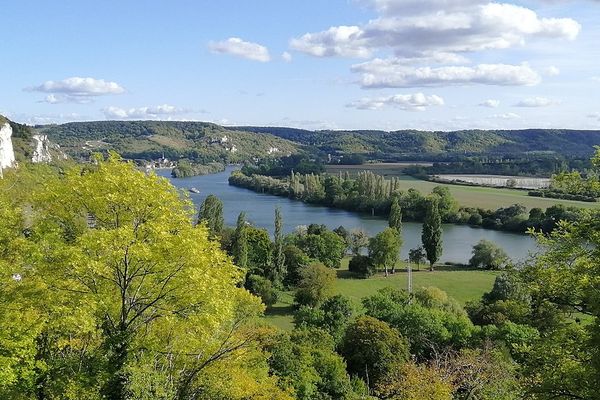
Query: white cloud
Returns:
{"type": "Point", "coordinates": [409, 102]}
{"type": "Point", "coordinates": [286, 56]}
{"type": "Point", "coordinates": [155, 112]}
{"type": "Point", "coordinates": [537, 102]}
{"type": "Point", "coordinates": [381, 74]}
{"type": "Point", "coordinates": [596, 78]}
{"type": "Point", "coordinates": [490, 103]}
{"type": "Point", "coordinates": [240, 48]}
{"type": "Point", "coordinates": [551, 71]}
{"type": "Point", "coordinates": [416, 27]}
{"type": "Point", "coordinates": [594, 115]}
{"type": "Point", "coordinates": [506, 116]}
{"type": "Point", "coordinates": [79, 87]}
{"type": "Point", "coordinates": [344, 41]}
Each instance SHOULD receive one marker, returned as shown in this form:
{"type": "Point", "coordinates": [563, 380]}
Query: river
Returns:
{"type": "Point", "coordinates": [260, 209]}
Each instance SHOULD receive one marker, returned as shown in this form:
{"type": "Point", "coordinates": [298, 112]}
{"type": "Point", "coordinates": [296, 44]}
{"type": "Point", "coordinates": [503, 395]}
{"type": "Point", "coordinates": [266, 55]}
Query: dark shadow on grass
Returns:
{"type": "Point", "coordinates": [281, 310]}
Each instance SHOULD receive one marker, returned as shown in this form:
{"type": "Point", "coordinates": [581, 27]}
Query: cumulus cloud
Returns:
{"type": "Point", "coordinates": [286, 56]}
{"type": "Point", "coordinates": [490, 103]}
{"type": "Point", "coordinates": [382, 74]}
{"type": "Point", "coordinates": [76, 89]}
{"type": "Point", "coordinates": [536, 102]}
{"type": "Point", "coordinates": [240, 48]}
{"type": "Point", "coordinates": [409, 102]}
{"type": "Point", "coordinates": [154, 112]}
{"type": "Point", "coordinates": [430, 26]}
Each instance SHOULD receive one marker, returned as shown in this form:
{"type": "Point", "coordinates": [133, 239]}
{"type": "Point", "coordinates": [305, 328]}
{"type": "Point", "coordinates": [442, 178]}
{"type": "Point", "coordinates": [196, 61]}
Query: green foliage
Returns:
{"type": "Point", "coordinates": [279, 267]}
{"type": "Point", "coordinates": [263, 288]}
{"type": "Point", "coordinates": [211, 214]}
{"type": "Point", "coordinates": [240, 241]}
{"type": "Point", "coordinates": [295, 261]}
{"type": "Point", "coordinates": [431, 236]}
{"type": "Point", "coordinates": [305, 360]}
{"type": "Point", "coordinates": [323, 245]}
{"type": "Point", "coordinates": [384, 249]}
{"type": "Point", "coordinates": [395, 218]}
{"type": "Point", "coordinates": [372, 348]}
{"type": "Point", "coordinates": [359, 239]}
{"type": "Point", "coordinates": [316, 284]}
{"type": "Point", "coordinates": [488, 255]}
{"type": "Point", "coordinates": [362, 266]}
{"type": "Point", "coordinates": [332, 316]}
{"type": "Point", "coordinates": [185, 169]}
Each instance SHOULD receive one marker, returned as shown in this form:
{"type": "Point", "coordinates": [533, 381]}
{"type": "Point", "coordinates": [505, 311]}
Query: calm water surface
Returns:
{"type": "Point", "coordinates": [260, 210]}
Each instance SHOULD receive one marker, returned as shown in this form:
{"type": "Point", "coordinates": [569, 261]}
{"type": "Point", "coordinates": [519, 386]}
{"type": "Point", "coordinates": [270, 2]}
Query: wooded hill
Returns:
{"type": "Point", "coordinates": [201, 141]}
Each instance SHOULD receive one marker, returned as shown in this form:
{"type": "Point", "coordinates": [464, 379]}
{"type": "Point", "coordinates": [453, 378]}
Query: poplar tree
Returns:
{"type": "Point", "coordinates": [240, 246]}
{"type": "Point", "coordinates": [432, 232]}
{"type": "Point", "coordinates": [211, 214]}
{"type": "Point", "coordinates": [279, 270]}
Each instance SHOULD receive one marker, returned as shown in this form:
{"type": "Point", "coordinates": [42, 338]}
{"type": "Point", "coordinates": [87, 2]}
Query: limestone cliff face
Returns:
{"type": "Point", "coordinates": [7, 154]}
{"type": "Point", "coordinates": [41, 149]}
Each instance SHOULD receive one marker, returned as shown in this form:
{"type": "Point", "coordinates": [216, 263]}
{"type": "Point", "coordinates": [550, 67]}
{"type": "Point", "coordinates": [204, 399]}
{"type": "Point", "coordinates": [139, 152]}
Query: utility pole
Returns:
{"type": "Point", "coordinates": [409, 270]}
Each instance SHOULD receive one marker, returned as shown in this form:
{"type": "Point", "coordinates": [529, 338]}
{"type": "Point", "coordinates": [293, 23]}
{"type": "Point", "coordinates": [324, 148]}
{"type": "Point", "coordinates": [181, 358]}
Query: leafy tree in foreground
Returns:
{"type": "Point", "coordinates": [431, 237]}
{"type": "Point", "coordinates": [139, 303]}
{"type": "Point", "coordinates": [384, 249]}
{"type": "Point", "coordinates": [295, 261]}
{"type": "Point", "coordinates": [332, 316]}
{"type": "Point", "coordinates": [211, 213]}
{"type": "Point", "coordinates": [410, 381]}
{"type": "Point", "coordinates": [488, 255]}
{"type": "Point", "coordinates": [362, 266]}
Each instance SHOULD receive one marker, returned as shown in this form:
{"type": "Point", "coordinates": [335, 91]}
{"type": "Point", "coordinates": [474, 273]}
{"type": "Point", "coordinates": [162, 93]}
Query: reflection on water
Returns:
{"type": "Point", "coordinates": [260, 210]}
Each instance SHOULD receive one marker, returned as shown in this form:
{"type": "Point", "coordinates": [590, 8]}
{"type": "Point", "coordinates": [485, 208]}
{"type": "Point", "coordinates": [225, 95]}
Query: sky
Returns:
{"type": "Point", "coordinates": [313, 64]}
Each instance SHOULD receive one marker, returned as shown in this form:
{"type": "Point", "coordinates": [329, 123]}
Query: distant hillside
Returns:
{"type": "Point", "coordinates": [409, 142]}
{"type": "Point", "coordinates": [205, 142]}
{"type": "Point", "coordinates": [198, 141]}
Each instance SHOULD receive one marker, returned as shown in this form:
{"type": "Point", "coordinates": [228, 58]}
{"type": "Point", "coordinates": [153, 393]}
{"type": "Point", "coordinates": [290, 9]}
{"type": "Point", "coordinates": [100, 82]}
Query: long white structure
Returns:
{"type": "Point", "coordinates": [7, 154]}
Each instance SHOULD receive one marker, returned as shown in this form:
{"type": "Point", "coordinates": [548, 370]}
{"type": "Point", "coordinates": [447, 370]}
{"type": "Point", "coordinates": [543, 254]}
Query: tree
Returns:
{"type": "Point", "coordinates": [395, 218]}
{"type": "Point", "coordinates": [384, 249]}
{"type": "Point", "coordinates": [279, 271]}
{"type": "Point", "coordinates": [371, 349]}
{"type": "Point", "coordinates": [295, 261]}
{"type": "Point", "coordinates": [332, 316]}
{"type": "Point", "coordinates": [136, 300]}
{"type": "Point", "coordinates": [263, 288]}
{"type": "Point", "coordinates": [431, 236]}
{"type": "Point", "coordinates": [260, 251]}
{"type": "Point", "coordinates": [211, 214]}
{"type": "Point", "coordinates": [488, 255]}
{"type": "Point", "coordinates": [240, 241]}
{"type": "Point", "coordinates": [417, 256]}
{"type": "Point", "coordinates": [359, 239]}
{"type": "Point", "coordinates": [362, 266]}
{"type": "Point", "coordinates": [316, 284]}
{"type": "Point", "coordinates": [410, 381]}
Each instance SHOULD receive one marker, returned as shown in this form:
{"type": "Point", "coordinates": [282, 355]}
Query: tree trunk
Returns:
{"type": "Point", "coordinates": [117, 346]}
{"type": "Point", "coordinates": [430, 267]}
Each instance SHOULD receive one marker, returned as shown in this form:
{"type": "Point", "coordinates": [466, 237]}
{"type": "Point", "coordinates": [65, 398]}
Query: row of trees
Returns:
{"type": "Point", "coordinates": [373, 194]}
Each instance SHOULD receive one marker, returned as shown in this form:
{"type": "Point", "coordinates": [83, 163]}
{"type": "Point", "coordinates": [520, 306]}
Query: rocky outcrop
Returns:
{"type": "Point", "coordinates": [41, 149]}
{"type": "Point", "coordinates": [7, 154]}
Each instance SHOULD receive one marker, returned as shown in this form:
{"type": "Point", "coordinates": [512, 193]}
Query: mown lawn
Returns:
{"type": "Point", "coordinates": [462, 284]}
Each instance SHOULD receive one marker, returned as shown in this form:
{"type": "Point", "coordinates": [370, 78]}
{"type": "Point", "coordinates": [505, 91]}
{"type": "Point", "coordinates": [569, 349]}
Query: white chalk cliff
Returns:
{"type": "Point", "coordinates": [41, 151]}
{"type": "Point", "coordinates": [7, 154]}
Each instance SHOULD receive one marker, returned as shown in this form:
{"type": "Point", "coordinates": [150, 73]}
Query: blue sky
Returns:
{"type": "Point", "coordinates": [340, 64]}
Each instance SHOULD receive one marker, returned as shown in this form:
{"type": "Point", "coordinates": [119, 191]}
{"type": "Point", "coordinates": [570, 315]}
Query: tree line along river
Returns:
{"type": "Point", "coordinates": [260, 209]}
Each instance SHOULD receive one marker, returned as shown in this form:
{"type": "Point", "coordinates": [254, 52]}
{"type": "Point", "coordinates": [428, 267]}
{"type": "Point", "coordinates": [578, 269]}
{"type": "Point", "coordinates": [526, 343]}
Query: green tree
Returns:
{"type": "Point", "coordinates": [488, 255]}
{"type": "Point", "coordinates": [384, 249]}
{"type": "Point", "coordinates": [417, 256]}
{"type": "Point", "coordinates": [211, 214]}
{"type": "Point", "coordinates": [279, 270]}
{"type": "Point", "coordinates": [240, 241]}
{"type": "Point", "coordinates": [332, 316]}
{"type": "Point", "coordinates": [263, 288]}
{"type": "Point", "coordinates": [316, 284]}
{"type": "Point", "coordinates": [359, 239]}
{"type": "Point", "coordinates": [137, 302]}
{"type": "Point", "coordinates": [431, 237]}
{"type": "Point", "coordinates": [371, 349]}
{"type": "Point", "coordinates": [295, 261]}
{"type": "Point", "coordinates": [395, 218]}
{"type": "Point", "coordinates": [362, 266]}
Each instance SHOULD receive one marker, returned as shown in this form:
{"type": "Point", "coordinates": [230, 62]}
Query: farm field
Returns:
{"type": "Point", "coordinates": [386, 169]}
{"type": "Point", "coordinates": [463, 285]}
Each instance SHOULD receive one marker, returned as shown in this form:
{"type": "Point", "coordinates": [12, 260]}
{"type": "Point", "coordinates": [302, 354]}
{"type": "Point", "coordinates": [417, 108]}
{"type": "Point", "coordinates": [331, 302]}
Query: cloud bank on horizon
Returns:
{"type": "Point", "coordinates": [446, 59]}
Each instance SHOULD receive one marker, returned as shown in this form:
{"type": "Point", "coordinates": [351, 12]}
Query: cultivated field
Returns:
{"type": "Point", "coordinates": [386, 169]}
{"type": "Point", "coordinates": [463, 285]}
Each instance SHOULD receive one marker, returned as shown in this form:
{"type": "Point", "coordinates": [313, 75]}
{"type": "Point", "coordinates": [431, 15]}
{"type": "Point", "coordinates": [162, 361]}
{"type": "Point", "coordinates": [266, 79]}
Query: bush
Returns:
{"type": "Point", "coordinates": [488, 255]}
{"type": "Point", "coordinates": [316, 284]}
{"type": "Point", "coordinates": [263, 288]}
{"type": "Point", "coordinates": [362, 266]}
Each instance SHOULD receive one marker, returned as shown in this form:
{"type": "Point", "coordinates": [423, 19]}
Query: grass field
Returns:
{"type": "Point", "coordinates": [463, 285]}
{"type": "Point", "coordinates": [468, 196]}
